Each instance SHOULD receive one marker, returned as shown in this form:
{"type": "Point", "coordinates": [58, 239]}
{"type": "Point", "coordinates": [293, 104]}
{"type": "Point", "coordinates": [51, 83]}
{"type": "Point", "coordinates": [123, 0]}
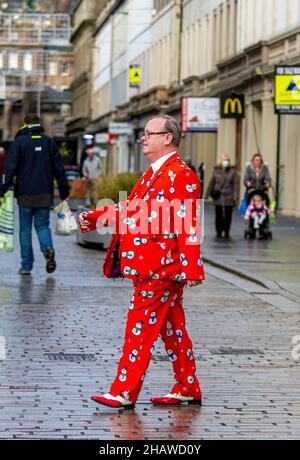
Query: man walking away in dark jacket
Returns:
{"type": "Point", "coordinates": [34, 160]}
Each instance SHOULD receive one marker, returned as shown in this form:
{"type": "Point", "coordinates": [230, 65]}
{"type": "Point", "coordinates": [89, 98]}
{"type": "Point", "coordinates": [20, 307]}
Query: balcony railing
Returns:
{"type": "Point", "coordinates": [35, 29]}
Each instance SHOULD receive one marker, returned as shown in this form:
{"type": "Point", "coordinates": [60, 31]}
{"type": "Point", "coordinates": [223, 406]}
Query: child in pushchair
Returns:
{"type": "Point", "coordinates": [257, 216]}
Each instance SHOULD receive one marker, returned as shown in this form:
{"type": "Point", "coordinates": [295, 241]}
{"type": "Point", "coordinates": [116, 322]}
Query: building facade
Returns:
{"type": "Point", "coordinates": [199, 48]}
{"type": "Point", "coordinates": [36, 70]}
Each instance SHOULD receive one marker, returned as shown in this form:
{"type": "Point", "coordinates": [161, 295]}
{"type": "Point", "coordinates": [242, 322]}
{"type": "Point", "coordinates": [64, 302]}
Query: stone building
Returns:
{"type": "Point", "coordinates": [36, 70]}
{"type": "Point", "coordinates": [195, 48]}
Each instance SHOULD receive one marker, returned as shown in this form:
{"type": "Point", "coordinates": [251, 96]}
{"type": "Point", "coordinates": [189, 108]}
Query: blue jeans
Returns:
{"type": "Point", "coordinates": [41, 219]}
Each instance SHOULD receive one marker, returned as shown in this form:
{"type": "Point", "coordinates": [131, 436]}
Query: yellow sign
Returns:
{"type": "Point", "coordinates": [287, 90]}
{"type": "Point", "coordinates": [135, 74]}
{"type": "Point", "coordinates": [232, 106]}
{"type": "Point", "coordinates": [235, 106]}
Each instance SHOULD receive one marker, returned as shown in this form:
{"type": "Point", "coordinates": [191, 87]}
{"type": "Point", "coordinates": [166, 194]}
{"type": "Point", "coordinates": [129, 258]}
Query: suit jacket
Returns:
{"type": "Point", "coordinates": [157, 229]}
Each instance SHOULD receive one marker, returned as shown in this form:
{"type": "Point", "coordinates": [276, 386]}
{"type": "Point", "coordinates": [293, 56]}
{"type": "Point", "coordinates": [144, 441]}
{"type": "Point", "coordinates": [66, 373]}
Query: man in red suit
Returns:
{"type": "Point", "coordinates": [157, 244]}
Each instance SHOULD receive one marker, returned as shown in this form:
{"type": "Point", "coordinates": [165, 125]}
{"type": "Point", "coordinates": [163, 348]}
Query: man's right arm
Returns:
{"type": "Point", "coordinates": [12, 162]}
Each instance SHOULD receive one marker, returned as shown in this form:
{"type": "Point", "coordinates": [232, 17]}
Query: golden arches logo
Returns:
{"type": "Point", "coordinates": [235, 106]}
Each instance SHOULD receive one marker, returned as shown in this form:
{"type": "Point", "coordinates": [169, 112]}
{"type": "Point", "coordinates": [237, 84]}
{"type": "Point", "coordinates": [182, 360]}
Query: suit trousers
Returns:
{"type": "Point", "coordinates": [156, 309]}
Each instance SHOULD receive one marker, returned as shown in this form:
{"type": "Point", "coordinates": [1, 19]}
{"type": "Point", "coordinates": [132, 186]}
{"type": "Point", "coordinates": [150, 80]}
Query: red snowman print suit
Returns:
{"type": "Point", "coordinates": [157, 245]}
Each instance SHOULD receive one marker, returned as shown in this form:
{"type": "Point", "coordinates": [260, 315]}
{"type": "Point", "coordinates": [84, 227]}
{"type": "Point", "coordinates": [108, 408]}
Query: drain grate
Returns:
{"type": "Point", "coordinates": [235, 351]}
{"type": "Point", "coordinates": [70, 357]}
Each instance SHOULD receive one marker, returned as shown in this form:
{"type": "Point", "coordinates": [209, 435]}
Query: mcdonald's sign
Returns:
{"type": "Point", "coordinates": [233, 106]}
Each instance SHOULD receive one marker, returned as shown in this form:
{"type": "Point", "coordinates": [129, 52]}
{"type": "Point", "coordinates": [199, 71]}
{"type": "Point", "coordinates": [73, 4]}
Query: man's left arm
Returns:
{"type": "Point", "coordinates": [186, 206]}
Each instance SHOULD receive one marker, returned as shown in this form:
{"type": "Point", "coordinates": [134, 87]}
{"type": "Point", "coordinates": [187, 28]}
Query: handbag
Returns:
{"type": "Point", "coordinates": [215, 194]}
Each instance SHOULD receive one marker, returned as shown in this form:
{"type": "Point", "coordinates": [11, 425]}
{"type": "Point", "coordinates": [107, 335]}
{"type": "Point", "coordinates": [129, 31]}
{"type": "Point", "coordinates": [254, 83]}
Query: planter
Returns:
{"type": "Point", "coordinates": [91, 237]}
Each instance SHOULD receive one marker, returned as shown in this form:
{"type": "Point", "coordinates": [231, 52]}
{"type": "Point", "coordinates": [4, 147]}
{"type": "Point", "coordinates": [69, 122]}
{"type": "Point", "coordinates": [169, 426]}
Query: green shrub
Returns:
{"type": "Point", "coordinates": [110, 186]}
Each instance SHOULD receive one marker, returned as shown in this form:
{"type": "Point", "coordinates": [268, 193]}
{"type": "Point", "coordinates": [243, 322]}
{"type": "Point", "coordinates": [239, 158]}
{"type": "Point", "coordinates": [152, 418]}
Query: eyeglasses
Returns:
{"type": "Point", "coordinates": [147, 134]}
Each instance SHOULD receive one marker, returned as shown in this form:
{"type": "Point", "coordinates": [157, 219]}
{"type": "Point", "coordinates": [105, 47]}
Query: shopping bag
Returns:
{"type": "Point", "coordinates": [243, 206]}
{"type": "Point", "coordinates": [7, 222]}
{"type": "Point", "coordinates": [272, 211]}
{"type": "Point", "coordinates": [79, 188]}
{"type": "Point", "coordinates": [66, 223]}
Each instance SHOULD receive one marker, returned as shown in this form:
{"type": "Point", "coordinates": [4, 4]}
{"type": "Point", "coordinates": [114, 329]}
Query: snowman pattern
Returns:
{"type": "Point", "coordinates": [171, 355]}
{"type": "Point", "coordinates": [153, 319]}
{"type": "Point", "coordinates": [168, 259]}
{"type": "Point", "coordinates": [160, 197]}
{"type": "Point", "coordinates": [179, 335]}
{"type": "Point", "coordinates": [182, 209]}
{"type": "Point", "coordinates": [193, 237]}
{"type": "Point", "coordinates": [122, 376]}
{"type": "Point", "coordinates": [183, 260]}
{"type": "Point", "coordinates": [169, 329]}
{"type": "Point", "coordinates": [133, 355]}
{"type": "Point", "coordinates": [138, 328]}
{"type": "Point", "coordinates": [189, 354]}
{"type": "Point", "coordinates": [165, 295]}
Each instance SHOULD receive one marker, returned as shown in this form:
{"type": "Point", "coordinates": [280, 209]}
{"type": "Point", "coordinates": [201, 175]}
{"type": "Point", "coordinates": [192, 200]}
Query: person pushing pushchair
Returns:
{"type": "Point", "coordinates": [257, 181]}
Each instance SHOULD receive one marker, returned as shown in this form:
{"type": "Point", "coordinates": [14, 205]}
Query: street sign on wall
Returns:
{"type": "Point", "coordinates": [232, 106]}
{"type": "Point", "coordinates": [200, 114]}
{"type": "Point", "coordinates": [120, 128]}
{"type": "Point", "coordinates": [135, 75]}
{"type": "Point", "coordinates": [287, 89]}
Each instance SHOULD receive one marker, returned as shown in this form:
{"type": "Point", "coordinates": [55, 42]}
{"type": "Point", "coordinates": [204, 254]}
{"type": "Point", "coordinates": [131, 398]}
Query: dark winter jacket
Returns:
{"type": "Point", "coordinates": [34, 159]}
{"type": "Point", "coordinates": [259, 178]}
{"type": "Point", "coordinates": [226, 181]}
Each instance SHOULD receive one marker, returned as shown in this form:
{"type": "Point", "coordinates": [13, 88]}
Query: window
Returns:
{"type": "Point", "coordinates": [13, 60]}
{"type": "Point", "coordinates": [1, 60]}
{"type": "Point", "coordinates": [27, 62]}
{"type": "Point", "coordinates": [65, 68]}
{"type": "Point", "coordinates": [52, 68]}
{"type": "Point", "coordinates": [58, 128]}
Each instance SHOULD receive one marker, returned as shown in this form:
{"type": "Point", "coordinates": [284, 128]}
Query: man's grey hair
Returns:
{"type": "Point", "coordinates": [173, 127]}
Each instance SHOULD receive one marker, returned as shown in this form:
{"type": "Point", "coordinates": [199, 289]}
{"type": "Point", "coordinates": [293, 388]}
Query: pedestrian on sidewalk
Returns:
{"type": "Point", "coordinates": [223, 188]}
{"type": "Point", "coordinates": [257, 178]}
{"type": "Point", "coordinates": [92, 168]}
{"type": "Point", "coordinates": [161, 260]}
{"type": "Point", "coordinates": [33, 160]}
{"type": "Point", "coordinates": [190, 164]}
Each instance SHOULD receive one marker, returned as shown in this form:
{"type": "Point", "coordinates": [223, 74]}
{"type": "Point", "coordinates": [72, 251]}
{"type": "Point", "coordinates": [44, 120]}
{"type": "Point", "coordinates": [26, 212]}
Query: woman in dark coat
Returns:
{"type": "Point", "coordinates": [224, 189]}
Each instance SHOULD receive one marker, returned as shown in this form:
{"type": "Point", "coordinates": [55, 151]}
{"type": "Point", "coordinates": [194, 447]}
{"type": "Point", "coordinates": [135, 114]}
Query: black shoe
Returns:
{"type": "Point", "coordinates": [50, 258]}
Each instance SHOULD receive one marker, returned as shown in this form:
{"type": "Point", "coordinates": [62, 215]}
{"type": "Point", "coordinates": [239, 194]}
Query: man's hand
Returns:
{"type": "Point", "coordinates": [84, 223]}
{"type": "Point", "coordinates": [192, 283]}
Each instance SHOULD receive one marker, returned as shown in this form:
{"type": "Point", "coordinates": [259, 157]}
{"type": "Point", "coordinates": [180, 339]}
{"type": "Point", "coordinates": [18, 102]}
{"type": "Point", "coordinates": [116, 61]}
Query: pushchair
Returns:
{"type": "Point", "coordinates": [258, 217]}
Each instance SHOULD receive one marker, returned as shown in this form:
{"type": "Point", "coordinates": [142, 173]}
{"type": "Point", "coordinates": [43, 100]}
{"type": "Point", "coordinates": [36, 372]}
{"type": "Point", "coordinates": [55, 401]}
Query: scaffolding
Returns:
{"type": "Point", "coordinates": [35, 29]}
{"type": "Point", "coordinates": [22, 68]}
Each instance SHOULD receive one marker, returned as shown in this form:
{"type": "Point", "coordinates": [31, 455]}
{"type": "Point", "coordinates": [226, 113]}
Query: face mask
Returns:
{"type": "Point", "coordinates": [225, 164]}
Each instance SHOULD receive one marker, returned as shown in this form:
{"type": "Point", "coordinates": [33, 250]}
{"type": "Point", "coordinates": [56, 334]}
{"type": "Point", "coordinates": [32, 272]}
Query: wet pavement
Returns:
{"type": "Point", "coordinates": [64, 335]}
{"type": "Point", "coordinates": [274, 263]}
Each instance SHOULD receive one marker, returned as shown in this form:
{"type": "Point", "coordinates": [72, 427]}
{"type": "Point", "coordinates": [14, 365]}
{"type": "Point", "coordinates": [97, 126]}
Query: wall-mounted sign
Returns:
{"type": "Point", "coordinates": [287, 89]}
{"type": "Point", "coordinates": [135, 75]}
{"type": "Point", "coordinates": [233, 106]}
{"type": "Point", "coordinates": [200, 114]}
{"type": "Point", "coordinates": [101, 138]}
{"type": "Point", "coordinates": [120, 128]}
